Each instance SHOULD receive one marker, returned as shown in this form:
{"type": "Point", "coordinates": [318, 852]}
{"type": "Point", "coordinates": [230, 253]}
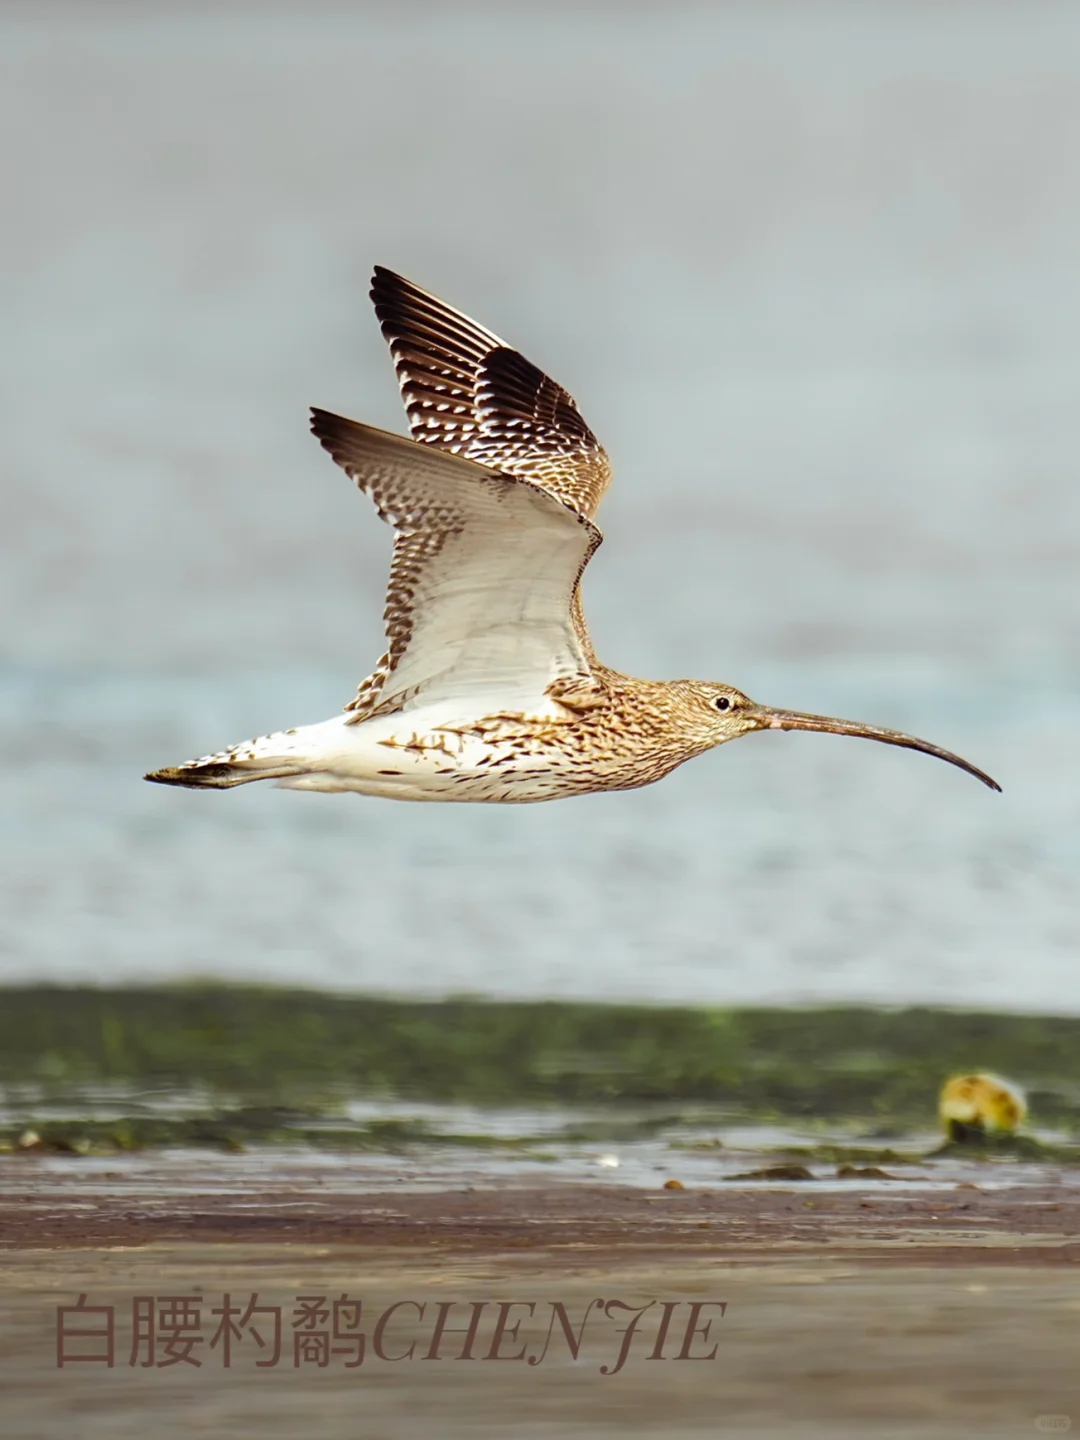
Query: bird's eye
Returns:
{"type": "Point", "coordinates": [722, 702]}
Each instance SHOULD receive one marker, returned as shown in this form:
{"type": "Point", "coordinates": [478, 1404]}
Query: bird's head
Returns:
{"type": "Point", "coordinates": [721, 712]}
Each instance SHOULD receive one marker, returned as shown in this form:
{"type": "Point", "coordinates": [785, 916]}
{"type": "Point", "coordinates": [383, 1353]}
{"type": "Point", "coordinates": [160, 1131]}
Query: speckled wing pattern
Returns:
{"type": "Point", "coordinates": [467, 391]}
{"type": "Point", "coordinates": [484, 569]}
{"type": "Point", "coordinates": [469, 394]}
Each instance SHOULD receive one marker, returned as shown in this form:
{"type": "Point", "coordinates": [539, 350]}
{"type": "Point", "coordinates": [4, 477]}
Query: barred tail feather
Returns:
{"type": "Point", "coordinates": [270, 757]}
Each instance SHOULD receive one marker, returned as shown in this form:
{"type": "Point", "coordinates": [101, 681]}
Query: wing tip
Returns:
{"type": "Point", "coordinates": [329, 429]}
{"type": "Point", "coordinates": [389, 288]}
{"type": "Point", "coordinates": [384, 279]}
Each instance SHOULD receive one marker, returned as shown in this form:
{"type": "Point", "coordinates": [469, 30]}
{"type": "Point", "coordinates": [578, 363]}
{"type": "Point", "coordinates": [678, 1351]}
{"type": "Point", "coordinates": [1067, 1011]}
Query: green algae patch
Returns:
{"type": "Point", "coordinates": [853, 1155]}
{"type": "Point", "coordinates": [302, 1048]}
{"type": "Point", "coordinates": [775, 1172]}
{"type": "Point", "coordinates": [233, 1132]}
{"type": "Point", "coordinates": [1008, 1147]}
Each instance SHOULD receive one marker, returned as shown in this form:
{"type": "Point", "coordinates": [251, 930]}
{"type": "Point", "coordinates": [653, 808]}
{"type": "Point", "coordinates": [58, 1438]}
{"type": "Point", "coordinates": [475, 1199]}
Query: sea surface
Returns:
{"type": "Point", "coordinates": [810, 270]}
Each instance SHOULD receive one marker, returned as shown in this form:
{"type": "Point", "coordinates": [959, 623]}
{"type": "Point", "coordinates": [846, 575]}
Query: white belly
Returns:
{"type": "Point", "coordinates": [419, 755]}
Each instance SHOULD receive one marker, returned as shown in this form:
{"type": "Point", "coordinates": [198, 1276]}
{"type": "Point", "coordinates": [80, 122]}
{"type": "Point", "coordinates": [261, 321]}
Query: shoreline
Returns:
{"type": "Point", "coordinates": [444, 1207]}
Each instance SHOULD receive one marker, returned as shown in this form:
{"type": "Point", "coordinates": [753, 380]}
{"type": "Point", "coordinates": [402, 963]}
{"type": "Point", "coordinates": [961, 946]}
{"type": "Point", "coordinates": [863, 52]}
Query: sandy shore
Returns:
{"type": "Point", "coordinates": [839, 1309]}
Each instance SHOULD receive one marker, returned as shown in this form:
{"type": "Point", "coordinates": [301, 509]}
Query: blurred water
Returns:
{"type": "Point", "coordinates": [811, 272]}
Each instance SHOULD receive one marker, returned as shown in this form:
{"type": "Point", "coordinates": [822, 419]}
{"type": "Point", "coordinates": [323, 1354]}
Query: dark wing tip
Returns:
{"type": "Point", "coordinates": [384, 281]}
{"type": "Point", "coordinates": [331, 431]}
{"type": "Point", "coordinates": [389, 289]}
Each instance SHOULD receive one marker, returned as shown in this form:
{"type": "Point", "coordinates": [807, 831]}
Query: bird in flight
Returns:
{"type": "Point", "coordinates": [489, 688]}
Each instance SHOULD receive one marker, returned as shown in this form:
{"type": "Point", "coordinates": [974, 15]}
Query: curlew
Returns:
{"type": "Point", "coordinates": [489, 689]}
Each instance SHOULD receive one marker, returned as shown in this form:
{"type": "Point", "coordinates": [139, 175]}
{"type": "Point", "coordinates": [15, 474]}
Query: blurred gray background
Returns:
{"type": "Point", "coordinates": [811, 271]}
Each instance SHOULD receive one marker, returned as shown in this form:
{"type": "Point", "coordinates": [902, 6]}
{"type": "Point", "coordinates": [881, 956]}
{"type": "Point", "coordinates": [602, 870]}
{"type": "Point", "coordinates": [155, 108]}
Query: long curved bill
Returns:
{"type": "Point", "coordinates": [771, 719]}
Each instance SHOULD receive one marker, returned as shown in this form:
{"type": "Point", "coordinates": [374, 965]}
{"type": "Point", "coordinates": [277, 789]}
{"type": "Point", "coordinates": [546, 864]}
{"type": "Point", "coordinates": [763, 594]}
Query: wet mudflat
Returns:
{"type": "Point", "coordinates": [459, 1206]}
{"type": "Point", "coordinates": [926, 1305]}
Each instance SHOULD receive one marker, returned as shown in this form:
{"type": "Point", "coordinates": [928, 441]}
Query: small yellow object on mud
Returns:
{"type": "Point", "coordinates": [674, 1185]}
{"type": "Point", "coordinates": [981, 1102]}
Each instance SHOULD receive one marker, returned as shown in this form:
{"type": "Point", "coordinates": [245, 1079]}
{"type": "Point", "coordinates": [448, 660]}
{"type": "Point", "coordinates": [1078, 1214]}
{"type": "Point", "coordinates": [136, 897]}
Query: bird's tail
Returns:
{"type": "Point", "coordinates": [270, 757]}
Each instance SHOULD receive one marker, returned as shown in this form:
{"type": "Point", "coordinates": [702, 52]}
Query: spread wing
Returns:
{"type": "Point", "coordinates": [468, 392]}
{"type": "Point", "coordinates": [484, 570]}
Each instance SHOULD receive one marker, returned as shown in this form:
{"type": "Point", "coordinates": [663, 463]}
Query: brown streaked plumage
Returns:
{"type": "Point", "coordinates": [468, 392]}
{"type": "Point", "coordinates": [489, 689]}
